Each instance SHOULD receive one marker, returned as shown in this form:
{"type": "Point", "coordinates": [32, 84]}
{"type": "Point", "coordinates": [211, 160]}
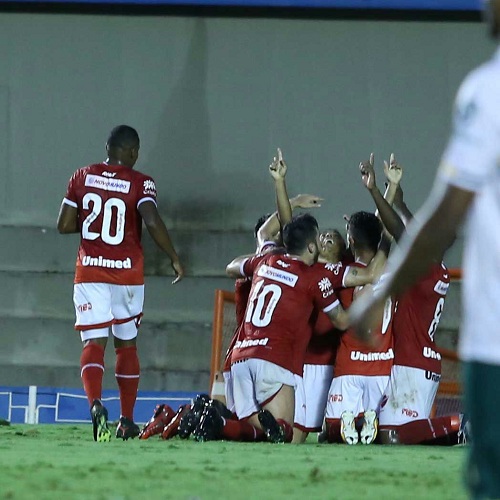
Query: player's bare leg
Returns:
{"type": "Point", "coordinates": [280, 410]}
{"type": "Point", "coordinates": [299, 436]}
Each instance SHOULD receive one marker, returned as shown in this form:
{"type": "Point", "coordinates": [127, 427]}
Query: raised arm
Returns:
{"type": "Point", "coordinates": [385, 212]}
{"type": "Point", "coordinates": [271, 228]}
{"type": "Point", "coordinates": [428, 237]}
{"type": "Point", "coordinates": [158, 231]}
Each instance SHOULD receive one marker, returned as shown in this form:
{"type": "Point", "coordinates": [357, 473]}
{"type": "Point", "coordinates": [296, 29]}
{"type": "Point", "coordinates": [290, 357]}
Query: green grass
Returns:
{"type": "Point", "coordinates": [63, 462]}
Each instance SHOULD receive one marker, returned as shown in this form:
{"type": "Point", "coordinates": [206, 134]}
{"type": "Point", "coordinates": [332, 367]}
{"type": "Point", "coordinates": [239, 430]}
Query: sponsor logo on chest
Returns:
{"type": "Point", "coordinates": [100, 182]}
{"type": "Point", "coordinates": [279, 275]}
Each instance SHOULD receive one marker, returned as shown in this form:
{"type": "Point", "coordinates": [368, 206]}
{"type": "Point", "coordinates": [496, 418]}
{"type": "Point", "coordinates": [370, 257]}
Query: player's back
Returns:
{"type": "Point", "coordinates": [416, 320]}
{"type": "Point", "coordinates": [284, 293]}
{"type": "Point", "coordinates": [356, 358]}
{"type": "Point", "coordinates": [107, 198]}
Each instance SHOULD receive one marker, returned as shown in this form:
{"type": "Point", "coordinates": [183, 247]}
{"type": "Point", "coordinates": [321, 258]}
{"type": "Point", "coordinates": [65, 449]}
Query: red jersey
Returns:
{"type": "Point", "coordinates": [285, 292]}
{"type": "Point", "coordinates": [354, 357]}
{"type": "Point", "coordinates": [417, 316]}
{"type": "Point", "coordinates": [107, 198]}
{"type": "Point", "coordinates": [242, 289]}
{"type": "Point", "coordinates": [322, 348]}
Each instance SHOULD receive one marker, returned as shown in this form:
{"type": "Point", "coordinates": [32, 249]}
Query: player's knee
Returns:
{"type": "Point", "coordinates": [98, 335]}
{"type": "Point", "coordinates": [125, 331]}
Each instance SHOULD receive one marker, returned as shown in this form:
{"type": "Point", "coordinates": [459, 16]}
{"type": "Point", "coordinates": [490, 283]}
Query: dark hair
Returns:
{"type": "Point", "coordinates": [260, 222]}
{"type": "Point", "coordinates": [124, 137]}
{"type": "Point", "coordinates": [365, 229]}
{"type": "Point", "coordinates": [299, 232]}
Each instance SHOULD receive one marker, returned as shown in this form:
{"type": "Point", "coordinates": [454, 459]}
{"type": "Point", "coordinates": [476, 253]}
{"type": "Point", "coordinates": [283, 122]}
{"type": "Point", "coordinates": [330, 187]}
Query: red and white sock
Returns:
{"type": "Point", "coordinates": [127, 373]}
{"type": "Point", "coordinates": [92, 370]}
{"type": "Point", "coordinates": [240, 430]}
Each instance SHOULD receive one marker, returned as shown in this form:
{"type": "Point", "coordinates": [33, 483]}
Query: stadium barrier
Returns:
{"type": "Point", "coordinates": [448, 400]}
{"type": "Point", "coordinates": [53, 405]}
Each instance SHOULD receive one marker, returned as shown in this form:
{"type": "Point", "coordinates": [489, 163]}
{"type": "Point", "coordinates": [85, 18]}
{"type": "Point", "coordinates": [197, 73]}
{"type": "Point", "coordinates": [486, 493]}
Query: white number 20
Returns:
{"type": "Point", "coordinates": [105, 230]}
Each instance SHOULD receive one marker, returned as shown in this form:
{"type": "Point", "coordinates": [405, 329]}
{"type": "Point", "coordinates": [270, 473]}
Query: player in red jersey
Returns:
{"type": "Point", "coordinates": [417, 362]}
{"type": "Point", "coordinates": [106, 203]}
{"type": "Point", "coordinates": [361, 371]}
{"type": "Point", "coordinates": [268, 237]}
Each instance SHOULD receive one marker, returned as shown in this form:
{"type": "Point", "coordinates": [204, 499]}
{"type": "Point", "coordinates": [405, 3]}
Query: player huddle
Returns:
{"type": "Point", "coordinates": [294, 366]}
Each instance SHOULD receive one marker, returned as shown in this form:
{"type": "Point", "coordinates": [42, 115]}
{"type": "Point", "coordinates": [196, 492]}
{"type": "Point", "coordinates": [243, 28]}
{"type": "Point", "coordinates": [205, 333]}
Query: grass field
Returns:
{"type": "Point", "coordinates": [63, 462]}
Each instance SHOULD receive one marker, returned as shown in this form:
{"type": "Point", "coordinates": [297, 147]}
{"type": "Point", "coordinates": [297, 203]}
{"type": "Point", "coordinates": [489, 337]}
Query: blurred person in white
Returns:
{"type": "Point", "coordinates": [467, 189]}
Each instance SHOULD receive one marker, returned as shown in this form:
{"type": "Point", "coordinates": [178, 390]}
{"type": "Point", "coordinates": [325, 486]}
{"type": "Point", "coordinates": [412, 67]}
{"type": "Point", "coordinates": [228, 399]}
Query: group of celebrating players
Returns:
{"type": "Point", "coordinates": [294, 365]}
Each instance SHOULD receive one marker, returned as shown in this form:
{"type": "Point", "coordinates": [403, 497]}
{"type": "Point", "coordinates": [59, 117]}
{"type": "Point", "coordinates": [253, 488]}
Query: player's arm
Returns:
{"type": "Point", "coordinates": [67, 220]}
{"type": "Point", "coordinates": [360, 276]}
{"type": "Point", "coordinates": [385, 212]}
{"type": "Point", "coordinates": [339, 317]}
{"type": "Point", "coordinates": [427, 238]}
{"type": "Point", "coordinates": [158, 231]}
{"type": "Point", "coordinates": [235, 268]}
{"type": "Point", "coordinates": [271, 228]}
{"type": "Point", "coordinates": [278, 169]}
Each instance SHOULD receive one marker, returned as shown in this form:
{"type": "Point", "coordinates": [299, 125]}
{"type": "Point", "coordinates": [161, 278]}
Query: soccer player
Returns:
{"type": "Point", "coordinates": [285, 291]}
{"type": "Point", "coordinates": [312, 388]}
{"type": "Point", "coordinates": [417, 362]}
{"type": "Point", "coordinates": [361, 372]}
{"type": "Point", "coordinates": [106, 203]}
{"type": "Point", "coordinates": [467, 188]}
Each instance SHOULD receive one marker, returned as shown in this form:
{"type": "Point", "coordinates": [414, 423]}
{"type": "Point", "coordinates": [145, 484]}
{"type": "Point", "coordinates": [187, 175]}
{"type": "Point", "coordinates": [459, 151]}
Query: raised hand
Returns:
{"type": "Point", "coordinates": [278, 167]}
{"type": "Point", "coordinates": [306, 201]}
{"type": "Point", "coordinates": [368, 172]}
{"type": "Point", "coordinates": [393, 170]}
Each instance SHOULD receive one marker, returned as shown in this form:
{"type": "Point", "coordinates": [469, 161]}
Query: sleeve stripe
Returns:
{"type": "Point", "coordinates": [70, 203]}
{"type": "Point", "coordinates": [333, 305]}
{"type": "Point", "coordinates": [148, 198]}
{"type": "Point", "coordinates": [242, 266]}
{"type": "Point", "coordinates": [347, 269]}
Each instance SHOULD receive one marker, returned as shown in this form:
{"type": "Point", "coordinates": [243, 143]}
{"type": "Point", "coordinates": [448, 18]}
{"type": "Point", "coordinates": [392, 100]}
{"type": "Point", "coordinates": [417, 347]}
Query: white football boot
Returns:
{"type": "Point", "coordinates": [370, 427]}
{"type": "Point", "coordinates": [348, 428]}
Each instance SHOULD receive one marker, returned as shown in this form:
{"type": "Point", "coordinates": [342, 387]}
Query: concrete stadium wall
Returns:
{"type": "Point", "coordinates": [212, 99]}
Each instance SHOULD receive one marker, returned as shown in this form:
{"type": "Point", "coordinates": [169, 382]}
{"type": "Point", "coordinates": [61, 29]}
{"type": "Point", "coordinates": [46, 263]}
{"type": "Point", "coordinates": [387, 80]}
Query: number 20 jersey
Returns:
{"type": "Point", "coordinates": [107, 198]}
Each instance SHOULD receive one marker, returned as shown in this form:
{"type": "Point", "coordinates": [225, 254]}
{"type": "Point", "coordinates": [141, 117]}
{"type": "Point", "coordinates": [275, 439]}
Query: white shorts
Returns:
{"type": "Point", "coordinates": [100, 305]}
{"type": "Point", "coordinates": [356, 393]}
{"type": "Point", "coordinates": [409, 396]}
{"type": "Point", "coordinates": [228, 391]}
{"type": "Point", "coordinates": [255, 382]}
{"type": "Point", "coordinates": [316, 382]}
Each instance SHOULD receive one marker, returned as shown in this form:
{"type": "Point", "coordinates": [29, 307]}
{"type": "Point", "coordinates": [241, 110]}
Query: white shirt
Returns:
{"type": "Point", "coordinates": [472, 162]}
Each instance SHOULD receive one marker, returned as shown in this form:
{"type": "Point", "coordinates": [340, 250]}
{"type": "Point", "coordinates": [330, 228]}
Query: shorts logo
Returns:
{"type": "Point", "coordinates": [108, 263]}
{"type": "Point", "coordinates": [84, 307]}
{"type": "Point", "coordinates": [409, 413]}
{"type": "Point", "coordinates": [335, 398]}
{"type": "Point", "coordinates": [100, 182]}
